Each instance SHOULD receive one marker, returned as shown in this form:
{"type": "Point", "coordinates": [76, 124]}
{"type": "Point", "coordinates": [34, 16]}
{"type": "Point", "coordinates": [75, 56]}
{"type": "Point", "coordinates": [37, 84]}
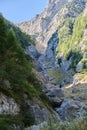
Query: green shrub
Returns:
{"type": "Point", "coordinates": [69, 39]}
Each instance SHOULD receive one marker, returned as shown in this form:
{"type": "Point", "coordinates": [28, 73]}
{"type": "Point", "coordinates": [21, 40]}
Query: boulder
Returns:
{"type": "Point", "coordinates": [79, 66]}
{"type": "Point", "coordinates": [57, 92]}
{"type": "Point", "coordinates": [38, 110]}
{"type": "Point", "coordinates": [50, 86]}
{"type": "Point", "coordinates": [65, 65]}
{"type": "Point", "coordinates": [56, 102]}
{"type": "Point", "coordinates": [69, 109]}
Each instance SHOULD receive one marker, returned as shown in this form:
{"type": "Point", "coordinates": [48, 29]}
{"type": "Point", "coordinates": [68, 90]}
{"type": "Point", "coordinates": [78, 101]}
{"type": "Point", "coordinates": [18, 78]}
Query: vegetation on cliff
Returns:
{"type": "Point", "coordinates": [71, 33]}
{"type": "Point", "coordinates": [16, 70]}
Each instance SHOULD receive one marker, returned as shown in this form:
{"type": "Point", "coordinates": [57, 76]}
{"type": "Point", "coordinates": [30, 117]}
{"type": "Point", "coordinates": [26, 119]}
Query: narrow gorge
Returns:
{"type": "Point", "coordinates": [43, 69]}
{"type": "Point", "coordinates": [61, 59]}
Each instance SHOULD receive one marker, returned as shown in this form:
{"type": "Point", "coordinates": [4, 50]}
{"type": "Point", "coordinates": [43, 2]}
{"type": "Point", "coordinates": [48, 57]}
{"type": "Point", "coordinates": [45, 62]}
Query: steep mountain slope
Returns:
{"type": "Point", "coordinates": [62, 30]}
{"type": "Point", "coordinates": [55, 32]}
{"type": "Point", "coordinates": [44, 25]}
{"type": "Point", "coordinates": [72, 41]}
{"type": "Point", "coordinates": [60, 56]}
{"type": "Point", "coordinates": [61, 34]}
{"type": "Point", "coordinates": [40, 25]}
{"type": "Point", "coordinates": [22, 101]}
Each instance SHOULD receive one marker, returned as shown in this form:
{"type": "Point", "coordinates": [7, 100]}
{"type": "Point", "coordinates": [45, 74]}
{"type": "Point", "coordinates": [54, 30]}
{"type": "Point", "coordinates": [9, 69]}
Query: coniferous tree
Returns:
{"type": "Point", "coordinates": [14, 49]}
{"type": "Point", "coordinates": [3, 36]}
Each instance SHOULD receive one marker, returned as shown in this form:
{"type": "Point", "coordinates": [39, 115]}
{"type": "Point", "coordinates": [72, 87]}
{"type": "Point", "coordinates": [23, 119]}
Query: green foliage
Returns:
{"type": "Point", "coordinates": [56, 74]}
{"type": "Point", "coordinates": [69, 39]}
{"type": "Point", "coordinates": [16, 68]}
{"type": "Point", "coordinates": [3, 35]}
{"type": "Point", "coordinates": [84, 60]}
{"type": "Point", "coordinates": [76, 57]}
{"type": "Point", "coordinates": [27, 117]}
{"type": "Point", "coordinates": [21, 37]}
{"type": "Point", "coordinates": [7, 122]}
{"type": "Point", "coordinates": [65, 29]}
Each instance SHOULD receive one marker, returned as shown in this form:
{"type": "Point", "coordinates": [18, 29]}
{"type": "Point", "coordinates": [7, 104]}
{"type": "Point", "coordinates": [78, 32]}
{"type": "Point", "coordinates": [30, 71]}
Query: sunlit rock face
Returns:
{"type": "Point", "coordinates": [44, 25]}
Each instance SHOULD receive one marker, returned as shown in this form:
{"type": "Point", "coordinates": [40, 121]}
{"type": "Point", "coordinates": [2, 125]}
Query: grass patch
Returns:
{"type": "Point", "coordinates": [80, 87]}
{"type": "Point", "coordinates": [80, 124]}
{"type": "Point", "coordinates": [56, 75]}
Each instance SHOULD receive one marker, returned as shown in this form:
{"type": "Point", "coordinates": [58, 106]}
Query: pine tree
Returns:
{"type": "Point", "coordinates": [3, 36]}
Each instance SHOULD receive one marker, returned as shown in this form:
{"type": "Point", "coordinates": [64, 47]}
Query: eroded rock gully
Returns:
{"type": "Point", "coordinates": [55, 87]}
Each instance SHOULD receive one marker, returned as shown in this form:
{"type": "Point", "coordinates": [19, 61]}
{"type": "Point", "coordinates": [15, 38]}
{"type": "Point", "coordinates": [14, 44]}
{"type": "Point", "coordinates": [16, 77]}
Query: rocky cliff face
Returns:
{"type": "Point", "coordinates": [46, 29]}
{"type": "Point", "coordinates": [20, 105]}
{"type": "Point", "coordinates": [51, 28]}
{"type": "Point", "coordinates": [8, 105]}
{"type": "Point", "coordinates": [45, 24]}
{"type": "Point", "coordinates": [63, 90]}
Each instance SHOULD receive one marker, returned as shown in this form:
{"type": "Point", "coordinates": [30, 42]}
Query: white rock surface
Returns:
{"type": "Point", "coordinates": [32, 51]}
{"type": "Point", "coordinates": [44, 25]}
{"type": "Point", "coordinates": [8, 105]}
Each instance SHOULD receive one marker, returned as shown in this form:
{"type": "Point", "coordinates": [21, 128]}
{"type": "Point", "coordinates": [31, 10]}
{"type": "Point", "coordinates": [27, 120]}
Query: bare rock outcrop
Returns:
{"type": "Point", "coordinates": [8, 105]}
{"type": "Point", "coordinates": [43, 25]}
